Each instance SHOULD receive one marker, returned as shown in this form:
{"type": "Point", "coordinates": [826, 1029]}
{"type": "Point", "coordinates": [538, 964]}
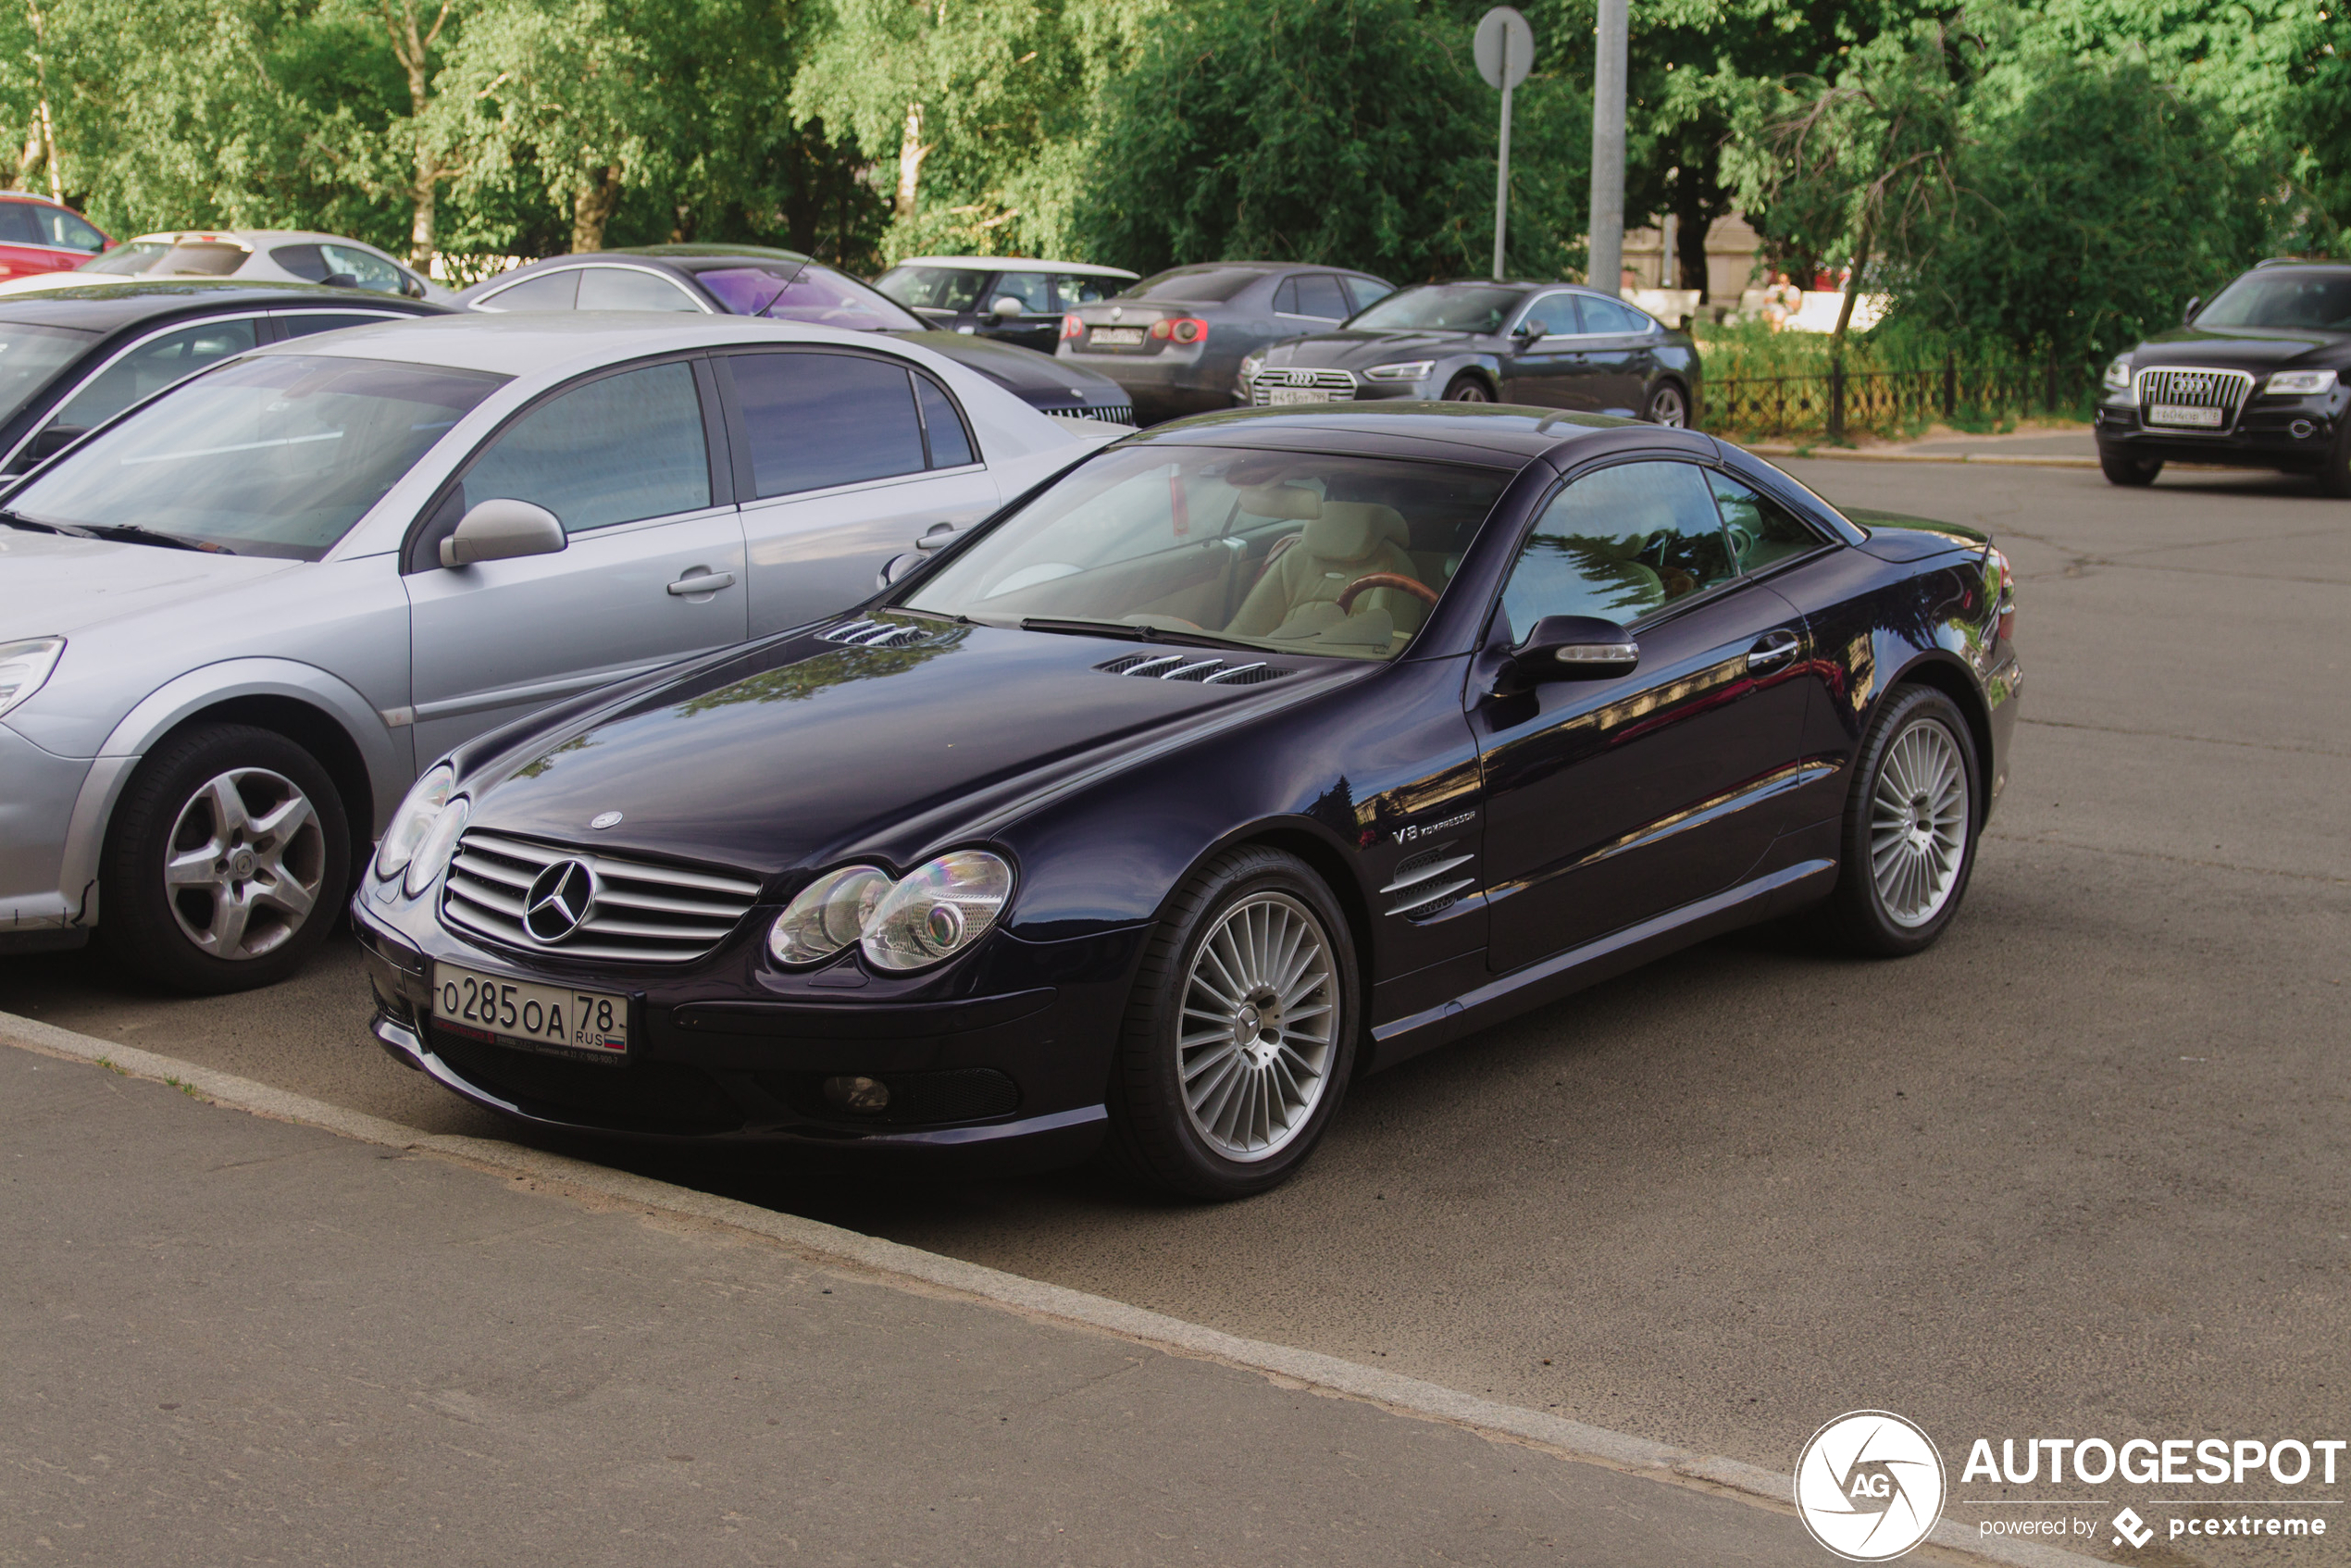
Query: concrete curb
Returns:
{"type": "Point", "coordinates": [830, 1244]}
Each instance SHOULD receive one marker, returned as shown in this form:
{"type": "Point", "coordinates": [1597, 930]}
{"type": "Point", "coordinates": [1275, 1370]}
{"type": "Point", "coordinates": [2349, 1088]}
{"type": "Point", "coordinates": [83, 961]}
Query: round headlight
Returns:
{"type": "Point", "coordinates": [937, 910]}
{"type": "Point", "coordinates": [433, 856]}
{"type": "Point", "coordinates": [424, 803]}
{"type": "Point", "coordinates": [828, 914]}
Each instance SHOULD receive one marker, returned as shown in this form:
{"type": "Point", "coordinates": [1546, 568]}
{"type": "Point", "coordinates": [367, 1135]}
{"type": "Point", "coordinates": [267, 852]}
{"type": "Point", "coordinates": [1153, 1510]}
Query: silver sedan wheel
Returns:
{"type": "Point", "coordinates": [1668, 407]}
{"type": "Point", "coordinates": [244, 866]}
{"type": "Point", "coordinates": [1918, 822]}
{"type": "Point", "coordinates": [1256, 1036]}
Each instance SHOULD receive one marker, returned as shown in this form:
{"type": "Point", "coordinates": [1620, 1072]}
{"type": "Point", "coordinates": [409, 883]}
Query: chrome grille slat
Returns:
{"type": "Point", "coordinates": [1418, 879]}
{"type": "Point", "coordinates": [875, 634]}
{"type": "Point", "coordinates": [490, 900]}
{"type": "Point", "coordinates": [1201, 671]}
{"type": "Point", "coordinates": [1427, 902]}
{"type": "Point", "coordinates": [1421, 873]}
{"type": "Point", "coordinates": [643, 913]}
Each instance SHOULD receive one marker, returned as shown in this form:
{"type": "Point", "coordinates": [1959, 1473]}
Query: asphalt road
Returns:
{"type": "Point", "coordinates": [2079, 1169]}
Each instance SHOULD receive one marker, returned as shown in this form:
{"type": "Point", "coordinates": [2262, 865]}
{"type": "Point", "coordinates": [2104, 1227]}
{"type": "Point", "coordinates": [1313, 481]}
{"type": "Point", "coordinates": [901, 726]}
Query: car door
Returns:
{"type": "Point", "coordinates": [652, 568]}
{"type": "Point", "coordinates": [1037, 325]}
{"type": "Point", "coordinates": [1615, 800]}
{"type": "Point", "coordinates": [1546, 368]}
{"type": "Point", "coordinates": [23, 250]}
{"type": "Point", "coordinates": [137, 371]}
{"type": "Point", "coordinates": [844, 460]}
{"type": "Point", "coordinates": [1616, 354]}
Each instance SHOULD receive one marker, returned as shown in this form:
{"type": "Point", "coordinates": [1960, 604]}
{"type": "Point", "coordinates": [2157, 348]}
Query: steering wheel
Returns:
{"type": "Point", "coordinates": [1412, 586]}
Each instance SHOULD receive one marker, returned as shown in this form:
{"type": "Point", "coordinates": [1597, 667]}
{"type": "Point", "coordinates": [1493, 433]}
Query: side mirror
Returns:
{"type": "Point", "coordinates": [413, 286]}
{"type": "Point", "coordinates": [502, 529]}
{"type": "Point", "coordinates": [1572, 648]}
{"type": "Point", "coordinates": [51, 442]}
{"type": "Point", "coordinates": [898, 567]}
{"type": "Point", "coordinates": [2187, 312]}
{"type": "Point", "coordinates": [1006, 308]}
{"type": "Point", "coordinates": [1528, 330]}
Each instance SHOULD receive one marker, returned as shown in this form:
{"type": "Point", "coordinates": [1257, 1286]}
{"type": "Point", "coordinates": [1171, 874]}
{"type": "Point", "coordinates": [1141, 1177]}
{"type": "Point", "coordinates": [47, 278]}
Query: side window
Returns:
{"type": "Point", "coordinates": [1760, 529]}
{"type": "Point", "coordinates": [355, 268]}
{"type": "Point", "coordinates": [1367, 292]}
{"type": "Point", "coordinates": [1609, 316]}
{"type": "Point", "coordinates": [1030, 287]}
{"type": "Point", "coordinates": [548, 291]}
{"type": "Point", "coordinates": [153, 366]}
{"type": "Point", "coordinates": [303, 261]}
{"type": "Point", "coordinates": [815, 420]}
{"type": "Point", "coordinates": [1555, 314]}
{"type": "Point", "coordinates": [950, 443]}
{"type": "Point", "coordinates": [1618, 544]}
{"type": "Point", "coordinates": [310, 321]}
{"type": "Point", "coordinates": [17, 227]}
{"type": "Point", "coordinates": [1285, 298]}
{"type": "Point", "coordinates": [618, 450]}
{"type": "Point", "coordinates": [1084, 290]}
{"type": "Point", "coordinates": [67, 231]}
{"type": "Point", "coordinates": [1318, 295]}
{"type": "Point", "coordinates": [624, 288]}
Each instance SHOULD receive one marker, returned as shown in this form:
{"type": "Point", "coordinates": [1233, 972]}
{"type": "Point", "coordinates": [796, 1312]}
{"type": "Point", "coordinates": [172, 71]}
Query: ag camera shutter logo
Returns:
{"type": "Point", "coordinates": [1868, 1486]}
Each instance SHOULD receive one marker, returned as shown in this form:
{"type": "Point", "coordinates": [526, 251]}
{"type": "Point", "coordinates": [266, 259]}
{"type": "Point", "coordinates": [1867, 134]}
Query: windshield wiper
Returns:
{"type": "Point", "coordinates": [131, 533]}
{"type": "Point", "coordinates": [18, 520]}
{"type": "Point", "coordinates": [1129, 631]}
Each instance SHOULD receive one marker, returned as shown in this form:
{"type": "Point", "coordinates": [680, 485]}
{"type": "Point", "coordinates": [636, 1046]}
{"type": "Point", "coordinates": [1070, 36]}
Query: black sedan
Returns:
{"type": "Point", "coordinates": [74, 356]}
{"type": "Point", "coordinates": [787, 286]}
{"type": "Point", "coordinates": [1548, 345]}
{"type": "Point", "coordinates": [1176, 340]}
{"type": "Point", "coordinates": [2254, 378]}
{"type": "Point", "coordinates": [1250, 754]}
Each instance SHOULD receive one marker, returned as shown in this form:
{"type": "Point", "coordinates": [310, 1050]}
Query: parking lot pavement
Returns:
{"type": "Point", "coordinates": [2077, 1168]}
{"type": "Point", "coordinates": [232, 1339]}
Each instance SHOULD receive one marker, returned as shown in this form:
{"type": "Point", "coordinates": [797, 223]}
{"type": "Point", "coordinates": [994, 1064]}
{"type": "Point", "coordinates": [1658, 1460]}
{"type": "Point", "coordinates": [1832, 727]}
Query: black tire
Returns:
{"type": "Point", "coordinates": [2334, 469]}
{"type": "Point", "coordinates": [1467, 389]}
{"type": "Point", "coordinates": [2123, 469]}
{"type": "Point", "coordinates": [1668, 406]}
{"type": "Point", "coordinates": [1858, 914]}
{"type": "Point", "coordinates": [175, 805]}
{"type": "Point", "coordinates": [1156, 1137]}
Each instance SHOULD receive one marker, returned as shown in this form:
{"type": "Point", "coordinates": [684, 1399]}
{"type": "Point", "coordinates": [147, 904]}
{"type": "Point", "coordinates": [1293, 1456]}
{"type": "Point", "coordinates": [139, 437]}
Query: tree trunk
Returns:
{"type": "Point", "coordinates": [1852, 289]}
{"type": "Point", "coordinates": [35, 149]}
{"type": "Point", "coordinates": [591, 206]}
{"type": "Point", "coordinates": [1689, 237]}
{"type": "Point", "coordinates": [44, 125]}
{"type": "Point", "coordinates": [911, 150]}
{"type": "Point", "coordinates": [412, 47]}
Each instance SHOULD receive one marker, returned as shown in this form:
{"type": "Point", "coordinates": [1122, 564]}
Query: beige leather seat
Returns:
{"type": "Point", "coordinates": [1347, 540]}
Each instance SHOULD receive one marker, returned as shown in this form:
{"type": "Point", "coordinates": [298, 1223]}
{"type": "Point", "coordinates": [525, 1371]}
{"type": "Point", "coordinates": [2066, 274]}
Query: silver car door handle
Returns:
{"type": "Point", "coordinates": [1776, 648]}
{"type": "Point", "coordinates": [935, 535]}
{"type": "Point", "coordinates": [702, 582]}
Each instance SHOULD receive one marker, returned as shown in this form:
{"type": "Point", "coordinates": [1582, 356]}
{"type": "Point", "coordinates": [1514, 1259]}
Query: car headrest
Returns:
{"type": "Point", "coordinates": [1291, 502]}
{"type": "Point", "coordinates": [1349, 530]}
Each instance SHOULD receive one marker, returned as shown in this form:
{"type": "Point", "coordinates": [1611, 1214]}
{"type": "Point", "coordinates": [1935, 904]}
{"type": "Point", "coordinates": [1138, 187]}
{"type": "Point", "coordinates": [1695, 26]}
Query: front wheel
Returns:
{"type": "Point", "coordinates": [2334, 470]}
{"type": "Point", "coordinates": [2123, 469]}
{"type": "Point", "coordinates": [1667, 406]}
{"type": "Point", "coordinates": [226, 863]}
{"type": "Point", "coordinates": [1467, 389]}
{"type": "Point", "coordinates": [1240, 1034]}
{"type": "Point", "coordinates": [1910, 829]}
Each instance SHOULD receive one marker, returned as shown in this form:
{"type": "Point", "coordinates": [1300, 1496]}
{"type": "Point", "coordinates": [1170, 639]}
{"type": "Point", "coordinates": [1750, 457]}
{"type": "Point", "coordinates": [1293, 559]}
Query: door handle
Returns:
{"type": "Point", "coordinates": [702, 582]}
{"type": "Point", "coordinates": [1772, 648]}
{"type": "Point", "coordinates": [935, 535]}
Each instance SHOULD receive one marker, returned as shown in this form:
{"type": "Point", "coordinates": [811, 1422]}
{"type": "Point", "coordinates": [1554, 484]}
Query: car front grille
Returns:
{"type": "Point", "coordinates": [1337, 385]}
{"type": "Point", "coordinates": [638, 912]}
{"type": "Point", "coordinates": [1208, 670]}
{"type": "Point", "coordinates": [2188, 386]}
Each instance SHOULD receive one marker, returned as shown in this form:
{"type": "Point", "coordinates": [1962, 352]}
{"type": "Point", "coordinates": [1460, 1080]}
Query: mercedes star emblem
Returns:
{"type": "Point", "coordinates": [559, 900]}
{"type": "Point", "coordinates": [605, 819]}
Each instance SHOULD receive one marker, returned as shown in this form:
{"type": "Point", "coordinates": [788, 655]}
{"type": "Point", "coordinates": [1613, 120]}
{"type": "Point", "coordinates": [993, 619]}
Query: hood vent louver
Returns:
{"type": "Point", "coordinates": [877, 634]}
{"type": "Point", "coordinates": [1205, 669]}
{"type": "Point", "coordinates": [1428, 883]}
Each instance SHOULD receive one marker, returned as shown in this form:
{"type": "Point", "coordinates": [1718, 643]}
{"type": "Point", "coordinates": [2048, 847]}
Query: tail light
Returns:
{"type": "Point", "coordinates": [1183, 329]}
{"type": "Point", "coordinates": [2003, 589]}
{"type": "Point", "coordinates": [1072, 325]}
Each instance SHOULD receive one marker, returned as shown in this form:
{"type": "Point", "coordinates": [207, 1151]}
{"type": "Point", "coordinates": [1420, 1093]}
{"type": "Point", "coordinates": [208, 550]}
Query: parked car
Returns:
{"type": "Point", "coordinates": [1548, 345]}
{"type": "Point", "coordinates": [257, 256]}
{"type": "Point", "coordinates": [786, 286]}
{"type": "Point", "coordinates": [1013, 300]}
{"type": "Point", "coordinates": [1251, 752]}
{"type": "Point", "coordinates": [39, 236]}
{"type": "Point", "coordinates": [74, 357]}
{"type": "Point", "coordinates": [1176, 340]}
{"type": "Point", "coordinates": [2256, 378]}
{"type": "Point", "coordinates": [235, 621]}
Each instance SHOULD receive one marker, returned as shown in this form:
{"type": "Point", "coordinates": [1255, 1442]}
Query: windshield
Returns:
{"type": "Point", "coordinates": [128, 259]}
{"type": "Point", "coordinates": [1208, 285]}
{"type": "Point", "coordinates": [2283, 299]}
{"type": "Point", "coordinates": [805, 292]}
{"type": "Point", "coordinates": [1293, 553]}
{"type": "Point", "coordinates": [271, 456]}
{"type": "Point", "coordinates": [1445, 308]}
{"type": "Point", "coordinates": [30, 357]}
{"type": "Point", "coordinates": [932, 287]}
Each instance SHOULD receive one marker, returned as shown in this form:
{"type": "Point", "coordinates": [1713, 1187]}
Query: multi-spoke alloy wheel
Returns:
{"type": "Point", "coordinates": [1259, 1007]}
{"type": "Point", "coordinates": [1240, 1033]}
{"type": "Point", "coordinates": [226, 863]}
{"type": "Point", "coordinates": [245, 862]}
{"type": "Point", "coordinates": [1667, 406]}
{"type": "Point", "coordinates": [1918, 823]}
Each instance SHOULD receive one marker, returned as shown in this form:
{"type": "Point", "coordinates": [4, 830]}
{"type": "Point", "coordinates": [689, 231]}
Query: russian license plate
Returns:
{"type": "Point", "coordinates": [1116, 337]}
{"type": "Point", "coordinates": [1280, 396]}
{"type": "Point", "coordinates": [2183, 413]}
{"type": "Point", "coordinates": [525, 1013]}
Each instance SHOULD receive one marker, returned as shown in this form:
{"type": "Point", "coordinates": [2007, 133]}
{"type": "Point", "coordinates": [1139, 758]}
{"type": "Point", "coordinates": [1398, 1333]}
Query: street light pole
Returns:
{"type": "Point", "coordinates": [1606, 267]}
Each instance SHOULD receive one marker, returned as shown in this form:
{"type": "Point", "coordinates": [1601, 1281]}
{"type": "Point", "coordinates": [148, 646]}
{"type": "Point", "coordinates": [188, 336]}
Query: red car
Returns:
{"type": "Point", "coordinates": [38, 235]}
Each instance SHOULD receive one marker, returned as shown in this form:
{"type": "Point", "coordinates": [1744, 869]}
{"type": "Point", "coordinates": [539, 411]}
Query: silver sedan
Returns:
{"type": "Point", "coordinates": [236, 622]}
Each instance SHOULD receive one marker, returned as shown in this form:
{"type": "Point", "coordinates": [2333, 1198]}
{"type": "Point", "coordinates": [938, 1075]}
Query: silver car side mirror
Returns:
{"type": "Point", "coordinates": [1006, 307]}
{"type": "Point", "coordinates": [501, 529]}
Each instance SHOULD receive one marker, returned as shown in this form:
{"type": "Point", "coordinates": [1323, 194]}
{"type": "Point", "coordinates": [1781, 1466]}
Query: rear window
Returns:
{"type": "Point", "coordinates": [806, 293]}
{"type": "Point", "coordinates": [1206, 285]}
{"type": "Point", "coordinates": [205, 259]}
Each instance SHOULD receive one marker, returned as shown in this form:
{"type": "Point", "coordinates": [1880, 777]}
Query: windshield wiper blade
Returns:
{"type": "Point", "coordinates": [18, 520]}
{"type": "Point", "coordinates": [1129, 631]}
{"type": "Point", "coordinates": [132, 533]}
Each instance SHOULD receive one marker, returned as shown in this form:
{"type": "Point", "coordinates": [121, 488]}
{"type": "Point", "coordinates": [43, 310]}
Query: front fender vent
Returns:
{"type": "Point", "coordinates": [1205, 669]}
{"type": "Point", "coordinates": [877, 634]}
{"type": "Point", "coordinates": [1428, 883]}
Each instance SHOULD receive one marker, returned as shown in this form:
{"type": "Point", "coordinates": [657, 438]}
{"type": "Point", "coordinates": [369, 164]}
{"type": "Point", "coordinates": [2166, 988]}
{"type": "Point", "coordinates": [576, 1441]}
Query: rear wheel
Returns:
{"type": "Point", "coordinates": [2124, 470]}
{"type": "Point", "coordinates": [1909, 830]}
{"type": "Point", "coordinates": [1667, 406]}
{"type": "Point", "coordinates": [1467, 389]}
{"type": "Point", "coordinates": [226, 863]}
{"type": "Point", "coordinates": [1240, 1034]}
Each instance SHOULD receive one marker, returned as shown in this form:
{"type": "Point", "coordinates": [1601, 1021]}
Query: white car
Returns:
{"type": "Point", "coordinates": [270, 256]}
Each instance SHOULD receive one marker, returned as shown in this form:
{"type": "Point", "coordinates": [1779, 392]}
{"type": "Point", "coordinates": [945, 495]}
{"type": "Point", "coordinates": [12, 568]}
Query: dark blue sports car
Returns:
{"type": "Point", "coordinates": [1249, 754]}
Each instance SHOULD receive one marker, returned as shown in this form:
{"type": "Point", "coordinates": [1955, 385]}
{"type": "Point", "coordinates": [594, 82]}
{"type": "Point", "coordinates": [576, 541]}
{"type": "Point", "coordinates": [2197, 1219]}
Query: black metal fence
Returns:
{"type": "Point", "coordinates": [1839, 399]}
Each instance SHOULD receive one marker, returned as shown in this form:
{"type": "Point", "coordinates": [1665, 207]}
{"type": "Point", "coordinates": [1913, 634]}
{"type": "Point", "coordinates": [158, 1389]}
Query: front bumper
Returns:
{"type": "Point", "coordinates": [1010, 1052]}
{"type": "Point", "coordinates": [2290, 433]}
{"type": "Point", "coordinates": [38, 792]}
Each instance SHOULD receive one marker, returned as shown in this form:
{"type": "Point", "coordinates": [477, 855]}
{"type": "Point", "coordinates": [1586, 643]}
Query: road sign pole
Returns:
{"type": "Point", "coordinates": [1606, 267]}
{"type": "Point", "coordinates": [1502, 170]}
{"type": "Point", "coordinates": [1505, 53]}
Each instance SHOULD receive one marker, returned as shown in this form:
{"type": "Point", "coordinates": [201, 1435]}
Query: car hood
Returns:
{"type": "Point", "coordinates": [805, 753]}
{"type": "Point", "coordinates": [1360, 350]}
{"type": "Point", "coordinates": [2248, 348]}
{"type": "Point", "coordinates": [1034, 378]}
{"type": "Point", "coordinates": [54, 585]}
